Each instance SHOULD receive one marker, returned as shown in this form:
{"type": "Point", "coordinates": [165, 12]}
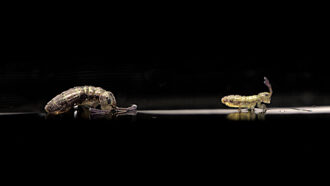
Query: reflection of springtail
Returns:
{"type": "Point", "coordinates": [249, 102]}
{"type": "Point", "coordinates": [246, 116]}
{"type": "Point", "coordinates": [89, 96]}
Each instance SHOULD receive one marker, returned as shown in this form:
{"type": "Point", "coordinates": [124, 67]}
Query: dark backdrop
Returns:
{"type": "Point", "coordinates": [171, 81]}
{"type": "Point", "coordinates": [165, 81]}
{"type": "Point", "coordinates": [168, 64]}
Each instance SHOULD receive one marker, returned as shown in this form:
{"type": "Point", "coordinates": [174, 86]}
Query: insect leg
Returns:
{"type": "Point", "coordinates": [262, 106]}
{"type": "Point", "coordinates": [251, 108]}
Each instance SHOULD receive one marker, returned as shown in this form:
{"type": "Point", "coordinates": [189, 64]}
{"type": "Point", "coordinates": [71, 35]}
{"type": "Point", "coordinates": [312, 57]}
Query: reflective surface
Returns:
{"type": "Point", "coordinates": [84, 113]}
{"type": "Point", "coordinates": [209, 131]}
{"type": "Point", "coordinates": [246, 116]}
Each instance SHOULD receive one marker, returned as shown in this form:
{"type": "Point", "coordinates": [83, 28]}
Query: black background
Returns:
{"type": "Point", "coordinates": [165, 81]}
{"type": "Point", "coordinates": [168, 67]}
{"type": "Point", "coordinates": [169, 82]}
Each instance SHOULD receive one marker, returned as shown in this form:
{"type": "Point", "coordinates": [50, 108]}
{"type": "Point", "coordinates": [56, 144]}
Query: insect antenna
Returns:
{"type": "Point", "coordinates": [267, 83]}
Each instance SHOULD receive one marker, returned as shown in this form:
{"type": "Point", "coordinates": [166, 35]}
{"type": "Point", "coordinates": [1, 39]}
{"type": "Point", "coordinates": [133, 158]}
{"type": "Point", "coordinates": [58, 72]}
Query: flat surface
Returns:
{"type": "Point", "coordinates": [179, 117]}
{"type": "Point", "coordinates": [270, 111]}
{"type": "Point", "coordinates": [280, 130]}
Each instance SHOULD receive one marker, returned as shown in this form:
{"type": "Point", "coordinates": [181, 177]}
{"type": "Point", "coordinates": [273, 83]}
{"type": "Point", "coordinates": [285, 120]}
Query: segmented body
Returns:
{"type": "Point", "coordinates": [249, 102]}
{"type": "Point", "coordinates": [238, 101]}
{"type": "Point", "coordinates": [82, 95]}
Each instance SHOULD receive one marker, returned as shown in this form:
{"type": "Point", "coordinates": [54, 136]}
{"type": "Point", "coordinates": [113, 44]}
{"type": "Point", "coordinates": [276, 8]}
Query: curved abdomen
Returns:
{"type": "Point", "coordinates": [82, 95]}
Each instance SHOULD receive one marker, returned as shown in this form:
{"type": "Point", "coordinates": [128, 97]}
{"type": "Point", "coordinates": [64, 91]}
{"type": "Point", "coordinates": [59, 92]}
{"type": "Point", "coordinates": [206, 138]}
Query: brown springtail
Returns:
{"type": "Point", "coordinates": [89, 96]}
